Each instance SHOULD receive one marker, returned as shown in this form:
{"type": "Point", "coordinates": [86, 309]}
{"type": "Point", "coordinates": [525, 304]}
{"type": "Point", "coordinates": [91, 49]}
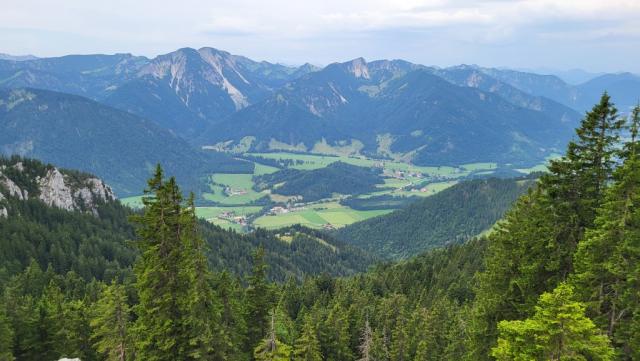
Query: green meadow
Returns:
{"type": "Point", "coordinates": [240, 194]}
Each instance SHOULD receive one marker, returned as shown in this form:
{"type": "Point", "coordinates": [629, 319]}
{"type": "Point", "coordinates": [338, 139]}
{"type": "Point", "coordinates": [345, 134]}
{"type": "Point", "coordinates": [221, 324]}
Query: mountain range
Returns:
{"type": "Point", "coordinates": [195, 98]}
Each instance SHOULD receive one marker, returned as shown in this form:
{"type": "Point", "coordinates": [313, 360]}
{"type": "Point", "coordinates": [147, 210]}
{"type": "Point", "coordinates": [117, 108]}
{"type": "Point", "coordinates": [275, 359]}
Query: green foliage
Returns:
{"type": "Point", "coordinates": [558, 330]}
{"type": "Point", "coordinates": [111, 324]}
{"type": "Point", "coordinates": [178, 313]}
{"type": "Point", "coordinates": [259, 300]}
{"type": "Point", "coordinates": [270, 348]}
{"type": "Point", "coordinates": [73, 125]}
{"type": "Point", "coordinates": [606, 271]}
{"type": "Point", "coordinates": [307, 347]}
{"type": "Point", "coordinates": [532, 250]}
{"type": "Point", "coordinates": [451, 216]}
{"type": "Point", "coordinates": [312, 185]}
{"type": "Point", "coordinates": [6, 337]}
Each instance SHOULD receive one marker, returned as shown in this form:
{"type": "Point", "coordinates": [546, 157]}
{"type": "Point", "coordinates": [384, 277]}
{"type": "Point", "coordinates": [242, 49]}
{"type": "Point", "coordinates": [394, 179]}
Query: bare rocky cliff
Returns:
{"type": "Point", "coordinates": [56, 188]}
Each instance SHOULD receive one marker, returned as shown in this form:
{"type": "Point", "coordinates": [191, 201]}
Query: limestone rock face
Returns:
{"type": "Point", "coordinates": [12, 189]}
{"type": "Point", "coordinates": [57, 189]}
{"type": "Point", "coordinates": [54, 191]}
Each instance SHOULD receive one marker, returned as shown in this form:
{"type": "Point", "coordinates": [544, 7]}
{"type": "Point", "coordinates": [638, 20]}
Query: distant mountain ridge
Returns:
{"type": "Point", "coordinates": [185, 90]}
{"type": "Point", "coordinates": [76, 132]}
{"type": "Point", "coordinates": [395, 108]}
{"type": "Point", "coordinates": [4, 56]}
{"type": "Point", "coordinates": [384, 108]}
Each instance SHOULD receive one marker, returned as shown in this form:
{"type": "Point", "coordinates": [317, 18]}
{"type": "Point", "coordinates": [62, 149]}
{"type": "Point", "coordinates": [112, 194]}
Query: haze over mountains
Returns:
{"type": "Point", "coordinates": [207, 97]}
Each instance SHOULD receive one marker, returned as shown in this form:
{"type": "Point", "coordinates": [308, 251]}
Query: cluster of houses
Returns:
{"type": "Point", "coordinates": [230, 192]}
{"type": "Point", "coordinates": [232, 217]}
{"type": "Point", "coordinates": [400, 174]}
{"type": "Point", "coordinates": [274, 211]}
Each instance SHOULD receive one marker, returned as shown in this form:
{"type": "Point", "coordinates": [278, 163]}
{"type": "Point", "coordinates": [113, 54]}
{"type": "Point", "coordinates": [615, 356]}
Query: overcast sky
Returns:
{"type": "Point", "coordinates": [596, 35]}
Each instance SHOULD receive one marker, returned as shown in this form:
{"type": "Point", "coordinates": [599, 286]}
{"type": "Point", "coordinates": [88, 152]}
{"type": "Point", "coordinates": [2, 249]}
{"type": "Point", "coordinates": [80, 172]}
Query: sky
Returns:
{"type": "Point", "coordinates": [595, 35]}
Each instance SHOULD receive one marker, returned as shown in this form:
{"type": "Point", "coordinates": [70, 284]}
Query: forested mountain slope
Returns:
{"type": "Point", "coordinates": [448, 217]}
{"type": "Point", "coordinates": [64, 224]}
{"type": "Point", "coordinates": [397, 108]}
{"type": "Point", "coordinates": [312, 185]}
{"type": "Point", "coordinates": [75, 132]}
{"type": "Point", "coordinates": [557, 279]}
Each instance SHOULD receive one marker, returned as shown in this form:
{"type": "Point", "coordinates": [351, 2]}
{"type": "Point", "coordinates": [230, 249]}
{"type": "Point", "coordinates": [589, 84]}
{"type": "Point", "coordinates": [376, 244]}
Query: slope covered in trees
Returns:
{"type": "Point", "coordinates": [75, 132]}
{"type": "Point", "coordinates": [312, 185]}
{"type": "Point", "coordinates": [97, 245]}
{"type": "Point", "coordinates": [451, 216]}
{"type": "Point", "coordinates": [557, 280]}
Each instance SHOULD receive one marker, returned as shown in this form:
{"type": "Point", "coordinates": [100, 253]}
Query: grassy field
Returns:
{"type": "Point", "coordinates": [318, 215]}
{"type": "Point", "coordinates": [240, 183]}
{"type": "Point", "coordinates": [314, 161]}
{"type": "Point", "coordinates": [211, 214]}
{"type": "Point", "coordinates": [133, 202]}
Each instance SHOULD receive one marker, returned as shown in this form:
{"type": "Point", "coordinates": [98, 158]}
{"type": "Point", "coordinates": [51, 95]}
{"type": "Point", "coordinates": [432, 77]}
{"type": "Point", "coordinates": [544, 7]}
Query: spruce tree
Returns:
{"type": "Point", "coordinates": [335, 335]}
{"type": "Point", "coordinates": [177, 314]}
{"type": "Point", "coordinates": [258, 300]}
{"type": "Point", "coordinates": [607, 275]}
{"type": "Point", "coordinates": [111, 323]}
{"type": "Point", "coordinates": [558, 330]}
{"type": "Point", "coordinates": [270, 348]}
{"type": "Point", "coordinates": [532, 249]}
{"type": "Point", "coordinates": [307, 347]}
{"type": "Point", "coordinates": [232, 319]}
{"type": "Point", "coordinates": [6, 337]}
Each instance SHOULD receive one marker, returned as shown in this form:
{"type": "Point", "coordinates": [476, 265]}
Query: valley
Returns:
{"type": "Point", "coordinates": [232, 201]}
{"type": "Point", "coordinates": [200, 205]}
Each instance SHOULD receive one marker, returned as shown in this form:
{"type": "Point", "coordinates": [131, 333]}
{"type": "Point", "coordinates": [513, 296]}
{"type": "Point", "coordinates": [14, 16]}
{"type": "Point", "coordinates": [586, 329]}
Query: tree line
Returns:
{"type": "Point", "coordinates": [556, 280]}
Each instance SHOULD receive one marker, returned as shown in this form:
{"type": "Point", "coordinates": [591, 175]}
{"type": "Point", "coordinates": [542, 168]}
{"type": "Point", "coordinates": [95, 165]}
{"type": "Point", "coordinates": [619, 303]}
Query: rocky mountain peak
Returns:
{"type": "Point", "coordinates": [358, 67]}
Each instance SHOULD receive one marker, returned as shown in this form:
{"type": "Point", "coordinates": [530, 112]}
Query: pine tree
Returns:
{"type": "Point", "coordinates": [380, 346]}
{"type": "Point", "coordinates": [335, 335]}
{"type": "Point", "coordinates": [532, 250]}
{"type": "Point", "coordinates": [177, 313]}
{"type": "Point", "coordinates": [233, 319]}
{"type": "Point", "coordinates": [258, 300]}
{"type": "Point", "coordinates": [400, 345]}
{"type": "Point", "coordinates": [559, 330]}
{"type": "Point", "coordinates": [606, 261]}
{"type": "Point", "coordinates": [6, 337]}
{"type": "Point", "coordinates": [270, 348]}
{"type": "Point", "coordinates": [111, 324]}
{"type": "Point", "coordinates": [307, 347]}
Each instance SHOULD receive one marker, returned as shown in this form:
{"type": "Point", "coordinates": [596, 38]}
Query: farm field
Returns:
{"type": "Point", "coordinates": [240, 188]}
{"type": "Point", "coordinates": [317, 216]}
{"type": "Point", "coordinates": [315, 161]}
{"type": "Point", "coordinates": [234, 193]}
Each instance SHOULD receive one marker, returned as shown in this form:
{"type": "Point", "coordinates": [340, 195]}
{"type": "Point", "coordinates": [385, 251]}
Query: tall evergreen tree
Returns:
{"type": "Point", "coordinates": [6, 337]}
{"type": "Point", "coordinates": [607, 275]}
{"type": "Point", "coordinates": [270, 348]}
{"type": "Point", "coordinates": [259, 300]}
{"type": "Point", "coordinates": [307, 347]}
{"type": "Point", "coordinates": [532, 250]}
{"type": "Point", "coordinates": [111, 323]}
{"type": "Point", "coordinates": [176, 313]}
{"type": "Point", "coordinates": [335, 335]}
{"type": "Point", "coordinates": [233, 318]}
{"type": "Point", "coordinates": [559, 330]}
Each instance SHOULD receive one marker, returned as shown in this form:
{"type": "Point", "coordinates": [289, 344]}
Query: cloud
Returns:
{"type": "Point", "coordinates": [430, 31]}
